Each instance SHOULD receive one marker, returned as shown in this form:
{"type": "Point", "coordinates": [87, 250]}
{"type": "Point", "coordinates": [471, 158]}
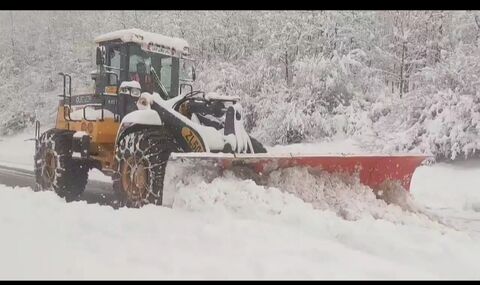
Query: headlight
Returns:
{"type": "Point", "coordinates": [124, 90]}
{"type": "Point", "coordinates": [135, 92]}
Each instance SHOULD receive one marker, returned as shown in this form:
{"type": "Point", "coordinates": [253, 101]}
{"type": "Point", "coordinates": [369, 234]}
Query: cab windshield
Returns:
{"type": "Point", "coordinates": [157, 72]}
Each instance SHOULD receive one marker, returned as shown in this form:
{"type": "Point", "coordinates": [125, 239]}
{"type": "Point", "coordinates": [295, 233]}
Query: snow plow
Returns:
{"type": "Point", "coordinates": [373, 170]}
{"type": "Point", "coordinates": [144, 113]}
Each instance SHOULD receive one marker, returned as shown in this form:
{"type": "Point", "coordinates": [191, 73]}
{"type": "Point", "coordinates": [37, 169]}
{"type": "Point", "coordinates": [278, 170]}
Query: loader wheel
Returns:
{"type": "Point", "coordinates": [141, 159]}
{"type": "Point", "coordinates": [54, 167]}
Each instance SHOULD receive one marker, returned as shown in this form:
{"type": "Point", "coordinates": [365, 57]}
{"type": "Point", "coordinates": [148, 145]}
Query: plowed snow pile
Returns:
{"type": "Point", "coordinates": [292, 191]}
{"type": "Point", "coordinates": [228, 228]}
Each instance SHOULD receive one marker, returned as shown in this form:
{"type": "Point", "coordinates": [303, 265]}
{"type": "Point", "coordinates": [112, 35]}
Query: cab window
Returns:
{"type": "Point", "coordinates": [166, 73]}
{"type": "Point", "coordinates": [114, 63]}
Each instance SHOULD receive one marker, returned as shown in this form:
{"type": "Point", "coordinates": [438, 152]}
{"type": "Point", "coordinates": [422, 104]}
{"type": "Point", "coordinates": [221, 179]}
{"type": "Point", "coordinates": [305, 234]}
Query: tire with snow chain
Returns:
{"type": "Point", "coordinates": [141, 160]}
{"type": "Point", "coordinates": [55, 169]}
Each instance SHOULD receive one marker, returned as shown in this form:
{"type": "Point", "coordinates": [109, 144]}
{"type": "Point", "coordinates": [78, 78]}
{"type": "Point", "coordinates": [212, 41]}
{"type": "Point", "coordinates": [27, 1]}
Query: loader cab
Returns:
{"type": "Point", "coordinates": [160, 64]}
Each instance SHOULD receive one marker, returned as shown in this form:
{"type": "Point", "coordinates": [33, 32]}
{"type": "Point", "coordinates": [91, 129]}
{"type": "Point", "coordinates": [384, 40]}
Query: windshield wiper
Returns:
{"type": "Point", "coordinates": [159, 82]}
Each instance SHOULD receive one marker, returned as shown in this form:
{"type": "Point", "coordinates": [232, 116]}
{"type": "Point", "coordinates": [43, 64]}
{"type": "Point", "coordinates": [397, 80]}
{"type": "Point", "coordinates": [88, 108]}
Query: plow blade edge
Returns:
{"type": "Point", "coordinates": [373, 170]}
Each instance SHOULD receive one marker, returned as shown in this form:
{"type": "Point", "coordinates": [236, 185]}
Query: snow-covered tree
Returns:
{"type": "Point", "coordinates": [397, 80]}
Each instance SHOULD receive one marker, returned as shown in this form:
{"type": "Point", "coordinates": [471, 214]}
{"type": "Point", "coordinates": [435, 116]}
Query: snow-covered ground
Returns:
{"type": "Point", "coordinates": [338, 145]}
{"type": "Point", "coordinates": [17, 151]}
{"type": "Point", "coordinates": [234, 229]}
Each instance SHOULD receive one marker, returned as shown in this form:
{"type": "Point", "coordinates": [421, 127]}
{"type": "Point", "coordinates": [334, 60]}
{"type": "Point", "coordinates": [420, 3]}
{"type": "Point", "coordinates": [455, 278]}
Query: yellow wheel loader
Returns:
{"type": "Point", "coordinates": [144, 112]}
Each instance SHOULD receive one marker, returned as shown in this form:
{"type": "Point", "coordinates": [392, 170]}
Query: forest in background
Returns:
{"type": "Point", "coordinates": [396, 81]}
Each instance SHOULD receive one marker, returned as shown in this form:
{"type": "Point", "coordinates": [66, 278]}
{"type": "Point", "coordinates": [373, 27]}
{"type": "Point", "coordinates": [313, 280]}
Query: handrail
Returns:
{"type": "Point", "coordinates": [188, 85]}
{"type": "Point", "coordinates": [69, 84]}
{"type": "Point", "coordinates": [93, 105]}
{"type": "Point", "coordinates": [64, 83]}
{"type": "Point", "coordinates": [69, 107]}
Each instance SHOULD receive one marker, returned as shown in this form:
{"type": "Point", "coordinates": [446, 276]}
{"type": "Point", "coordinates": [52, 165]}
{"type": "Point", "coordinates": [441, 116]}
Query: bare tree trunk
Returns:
{"type": "Point", "coordinates": [401, 70]}
{"type": "Point", "coordinates": [286, 66]}
{"type": "Point", "coordinates": [72, 35]}
{"type": "Point", "coordinates": [136, 19]}
{"type": "Point", "coordinates": [477, 21]}
{"type": "Point", "coordinates": [12, 35]}
{"type": "Point", "coordinates": [439, 52]}
{"type": "Point", "coordinates": [122, 21]}
{"type": "Point", "coordinates": [335, 38]}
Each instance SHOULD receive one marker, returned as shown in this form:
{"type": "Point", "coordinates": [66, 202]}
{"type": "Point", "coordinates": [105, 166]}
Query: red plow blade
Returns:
{"type": "Point", "coordinates": [373, 170]}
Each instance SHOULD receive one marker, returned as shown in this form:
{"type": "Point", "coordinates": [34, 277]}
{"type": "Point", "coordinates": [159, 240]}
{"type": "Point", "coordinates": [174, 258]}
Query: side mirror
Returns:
{"type": "Point", "coordinates": [99, 60]}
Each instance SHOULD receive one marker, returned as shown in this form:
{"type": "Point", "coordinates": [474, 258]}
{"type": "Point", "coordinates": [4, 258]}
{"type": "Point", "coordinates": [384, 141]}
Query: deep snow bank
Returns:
{"type": "Point", "coordinates": [443, 185]}
{"type": "Point", "coordinates": [190, 186]}
{"type": "Point", "coordinates": [228, 228]}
